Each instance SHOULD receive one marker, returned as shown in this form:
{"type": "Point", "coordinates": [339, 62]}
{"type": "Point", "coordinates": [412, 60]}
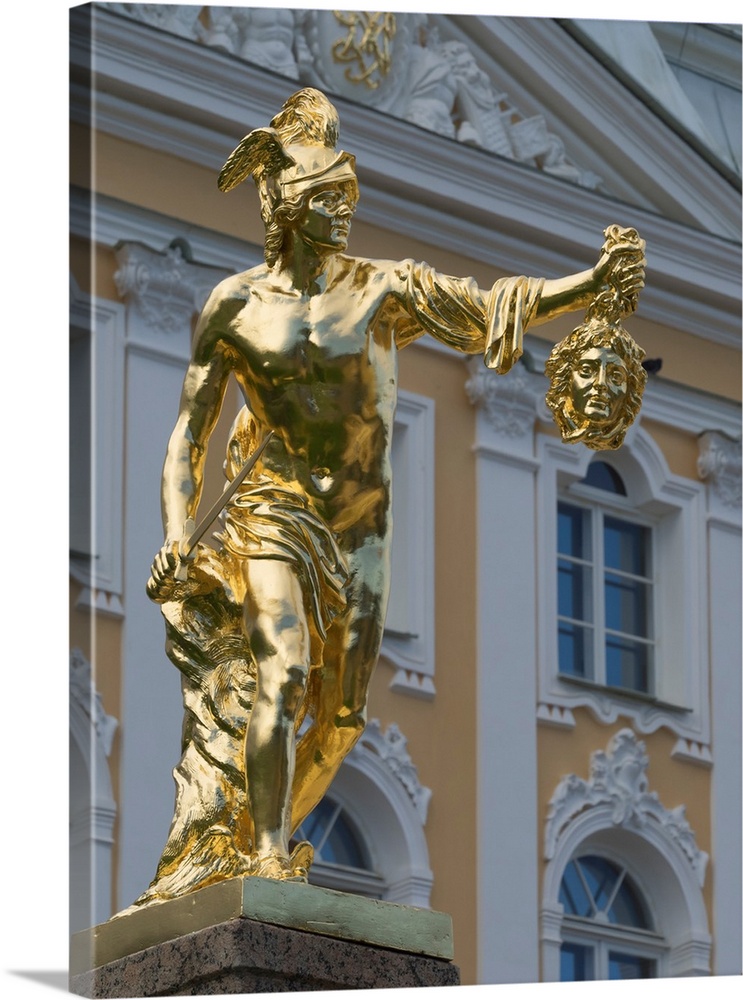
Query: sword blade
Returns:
{"type": "Point", "coordinates": [191, 539]}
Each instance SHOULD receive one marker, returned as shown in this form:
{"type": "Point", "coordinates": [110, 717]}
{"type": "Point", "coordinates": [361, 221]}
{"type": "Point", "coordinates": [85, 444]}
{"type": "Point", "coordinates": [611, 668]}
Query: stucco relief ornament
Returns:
{"type": "Point", "coordinates": [596, 374]}
{"type": "Point", "coordinates": [619, 780]}
{"type": "Point", "coordinates": [361, 55]}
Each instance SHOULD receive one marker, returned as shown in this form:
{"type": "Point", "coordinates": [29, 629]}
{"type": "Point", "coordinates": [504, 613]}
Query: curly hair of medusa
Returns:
{"type": "Point", "coordinates": [284, 215]}
{"type": "Point", "coordinates": [595, 333]}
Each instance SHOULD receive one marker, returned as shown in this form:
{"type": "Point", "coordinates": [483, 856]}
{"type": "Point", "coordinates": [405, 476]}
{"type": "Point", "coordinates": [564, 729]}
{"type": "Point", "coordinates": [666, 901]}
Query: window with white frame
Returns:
{"type": "Point", "coordinates": [607, 929]}
{"type": "Point", "coordinates": [622, 891]}
{"type": "Point", "coordinates": [622, 600]}
{"type": "Point", "coordinates": [605, 588]}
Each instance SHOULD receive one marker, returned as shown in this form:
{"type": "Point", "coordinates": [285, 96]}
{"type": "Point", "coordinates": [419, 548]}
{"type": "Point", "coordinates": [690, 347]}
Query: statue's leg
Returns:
{"type": "Point", "coordinates": [276, 623]}
{"type": "Point", "coordinates": [349, 658]}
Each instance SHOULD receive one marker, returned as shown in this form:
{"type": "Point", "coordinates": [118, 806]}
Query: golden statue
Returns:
{"type": "Point", "coordinates": [284, 621]}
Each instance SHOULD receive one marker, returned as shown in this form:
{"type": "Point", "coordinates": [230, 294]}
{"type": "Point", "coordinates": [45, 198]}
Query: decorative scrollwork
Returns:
{"type": "Point", "coordinates": [368, 44]}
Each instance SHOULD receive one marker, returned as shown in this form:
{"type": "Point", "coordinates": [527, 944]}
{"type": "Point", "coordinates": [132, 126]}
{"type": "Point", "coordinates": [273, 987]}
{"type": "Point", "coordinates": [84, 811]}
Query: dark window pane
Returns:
{"type": "Point", "coordinates": [574, 590]}
{"type": "Point", "coordinates": [575, 650]}
{"type": "Point", "coordinates": [343, 846]}
{"type": "Point", "coordinates": [627, 664]}
{"type": "Point", "coordinates": [628, 908]}
{"type": "Point", "coordinates": [80, 424]}
{"type": "Point", "coordinates": [622, 966]}
{"type": "Point", "coordinates": [315, 824]}
{"type": "Point", "coordinates": [576, 963]}
{"type": "Point", "coordinates": [626, 603]}
{"type": "Point", "coordinates": [604, 477]}
{"type": "Point", "coordinates": [573, 894]}
{"type": "Point", "coordinates": [573, 531]}
{"type": "Point", "coordinates": [626, 546]}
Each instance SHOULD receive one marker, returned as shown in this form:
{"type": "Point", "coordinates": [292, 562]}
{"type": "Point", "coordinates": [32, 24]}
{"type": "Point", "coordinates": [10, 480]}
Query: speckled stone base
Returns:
{"type": "Point", "coordinates": [246, 956]}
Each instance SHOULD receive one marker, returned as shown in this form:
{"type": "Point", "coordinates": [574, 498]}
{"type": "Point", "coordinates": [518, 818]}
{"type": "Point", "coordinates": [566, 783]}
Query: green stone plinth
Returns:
{"type": "Point", "coordinates": [293, 905]}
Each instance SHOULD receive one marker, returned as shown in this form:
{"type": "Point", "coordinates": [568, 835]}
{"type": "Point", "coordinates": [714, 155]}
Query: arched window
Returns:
{"type": "Point", "coordinates": [342, 855]}
{"type": "Point", "coordinates": [368, 832]}
{"type": "Point", "coordinates": [622, 889]}
{"type": "Point", "coordinates": [607, 929]}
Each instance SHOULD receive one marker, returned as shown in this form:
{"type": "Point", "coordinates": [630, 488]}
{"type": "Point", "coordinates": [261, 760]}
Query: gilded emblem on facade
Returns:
{"type": "Point", "coordinates": [367, 45]}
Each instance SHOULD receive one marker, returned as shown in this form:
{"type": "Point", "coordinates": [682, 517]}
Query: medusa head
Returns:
{"type": "Point", "coordinates": [596, 384]}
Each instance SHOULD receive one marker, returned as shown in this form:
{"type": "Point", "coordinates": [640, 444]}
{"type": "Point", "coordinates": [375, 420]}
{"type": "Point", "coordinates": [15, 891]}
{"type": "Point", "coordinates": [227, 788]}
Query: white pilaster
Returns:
{"type": "Point", "coordinates": [162, 292]}
{"type": "Point", "coordinates": [507, 918]}
{"type": "Point", "coordinates": [720, 466]}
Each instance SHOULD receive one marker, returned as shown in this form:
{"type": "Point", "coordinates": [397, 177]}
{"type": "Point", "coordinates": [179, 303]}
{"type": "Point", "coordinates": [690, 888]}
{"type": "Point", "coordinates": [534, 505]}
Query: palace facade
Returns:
{"type": "Point", "coordinates": [554, 756]}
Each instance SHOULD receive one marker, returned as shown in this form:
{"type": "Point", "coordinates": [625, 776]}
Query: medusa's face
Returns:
{"type": "Point", "coordinates": [598, 386]}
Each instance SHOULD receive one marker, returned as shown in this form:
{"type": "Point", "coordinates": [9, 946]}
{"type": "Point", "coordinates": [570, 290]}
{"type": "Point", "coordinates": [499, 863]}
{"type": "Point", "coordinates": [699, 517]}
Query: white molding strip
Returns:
{"type": "Point", "coordinates": [110, 221]}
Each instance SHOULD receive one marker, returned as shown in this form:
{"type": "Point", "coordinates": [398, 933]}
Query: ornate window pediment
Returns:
{"type": "Point", "coordinates": [613, 816]}
{"type": "Point", "coordinates": [619, 782]}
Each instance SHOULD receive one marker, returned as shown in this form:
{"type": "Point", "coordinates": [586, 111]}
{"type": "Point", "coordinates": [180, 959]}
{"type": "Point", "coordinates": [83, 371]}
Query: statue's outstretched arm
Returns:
{"type": "Point", "coordinates": [621, 264]}
{"type": "Point", "coordinates": [201, 401]}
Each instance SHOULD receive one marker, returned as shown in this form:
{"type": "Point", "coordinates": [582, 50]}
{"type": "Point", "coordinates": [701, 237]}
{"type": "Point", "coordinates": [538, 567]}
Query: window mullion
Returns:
{"type": "Point", "coordinates": [599, 614]}
{"type": "Point", "coordinates": [328, 829]}
{"type": "Point", "coordinates": [586, 886]}
{"type": "Point", "coordinates": [615, 890]}
{"type": "Point", "coordinates": [601, 957]}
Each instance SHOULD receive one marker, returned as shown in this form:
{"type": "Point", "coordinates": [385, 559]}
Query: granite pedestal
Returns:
{"type": "Point", "coordinates": [252, 935]}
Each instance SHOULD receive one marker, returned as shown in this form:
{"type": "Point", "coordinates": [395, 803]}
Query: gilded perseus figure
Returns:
{"type": "Point", "coordinates": [281, 624]}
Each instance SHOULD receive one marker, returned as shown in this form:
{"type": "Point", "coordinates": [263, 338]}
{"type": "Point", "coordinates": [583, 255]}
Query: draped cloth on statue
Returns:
{"type": "Point", "coordinates": [267, 521]}
{"type": "Point", "coordinates": [456, 312]}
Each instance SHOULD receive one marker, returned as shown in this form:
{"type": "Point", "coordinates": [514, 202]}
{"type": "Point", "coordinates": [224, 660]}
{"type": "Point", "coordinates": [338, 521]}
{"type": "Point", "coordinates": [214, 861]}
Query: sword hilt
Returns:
{"type": "Point", "coordinates": [185, 551]}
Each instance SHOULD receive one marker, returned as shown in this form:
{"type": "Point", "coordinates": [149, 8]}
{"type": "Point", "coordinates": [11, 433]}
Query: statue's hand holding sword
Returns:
{"type": "Point", "coordinates": [193, 533]}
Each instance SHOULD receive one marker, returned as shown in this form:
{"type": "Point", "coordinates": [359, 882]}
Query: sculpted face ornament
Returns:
{"type": "Point", "coordinates": [596, 384]}
{"type": "Point", "coordinates": [596, 374]}
{"type": "Point", "coordinates": [599, 385]}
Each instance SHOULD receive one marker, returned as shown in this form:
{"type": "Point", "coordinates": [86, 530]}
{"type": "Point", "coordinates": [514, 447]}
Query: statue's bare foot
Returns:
{"type": "Point", "coordinates": [278, 866]}
{"type": "Point", "coordinates": [301, 859]}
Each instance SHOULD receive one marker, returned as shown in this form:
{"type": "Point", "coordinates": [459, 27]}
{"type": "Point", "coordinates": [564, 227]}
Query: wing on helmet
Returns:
{"type": "Point", "coordinates": [258, 153]}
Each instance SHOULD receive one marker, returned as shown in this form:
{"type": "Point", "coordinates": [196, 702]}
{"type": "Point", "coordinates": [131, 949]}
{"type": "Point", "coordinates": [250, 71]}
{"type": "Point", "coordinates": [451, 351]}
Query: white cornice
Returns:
{"type": "Point", "coordinates": [112, 221]}
{"type": "Point", "coordinates": [151, 90]}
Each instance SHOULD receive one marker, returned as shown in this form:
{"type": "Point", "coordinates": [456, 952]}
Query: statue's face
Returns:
{"type": "Point", "coordinates": [326, 221]}
{"type": "Point", "coordinates": [599, 385]}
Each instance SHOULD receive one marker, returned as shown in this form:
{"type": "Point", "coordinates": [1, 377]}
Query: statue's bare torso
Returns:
{"type": "Point", "coordinates": [320, 371]}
